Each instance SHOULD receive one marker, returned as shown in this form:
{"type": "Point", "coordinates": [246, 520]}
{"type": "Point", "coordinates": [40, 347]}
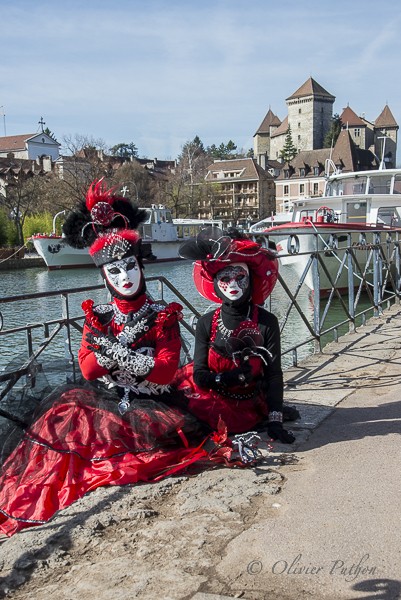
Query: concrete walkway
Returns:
{"type": "Point", "coordinates": [335, 530]}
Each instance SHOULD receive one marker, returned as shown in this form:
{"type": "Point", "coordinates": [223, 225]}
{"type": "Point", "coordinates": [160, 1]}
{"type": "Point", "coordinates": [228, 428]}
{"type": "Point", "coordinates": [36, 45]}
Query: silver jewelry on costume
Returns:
{"type": "Point", "coordinates": [120, 317]}
{"type": "Point", "coordinates": [225, 332]}
{"type": "Point", "coordinates": [275, 416]}
{"type": "Point", "coordinates": [247, 444]}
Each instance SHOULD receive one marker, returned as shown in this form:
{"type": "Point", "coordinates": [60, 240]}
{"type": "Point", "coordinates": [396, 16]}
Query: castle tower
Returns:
{"type": "Point", "coordinates": [386, 126]}
{"type": "Point", "coordinates": [310, 111]}
{"type": "Point", "coordinates": [261, 139]}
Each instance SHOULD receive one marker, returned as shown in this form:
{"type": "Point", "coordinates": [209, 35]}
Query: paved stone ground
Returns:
{"type": "Point", "coordinates": [332, 496]}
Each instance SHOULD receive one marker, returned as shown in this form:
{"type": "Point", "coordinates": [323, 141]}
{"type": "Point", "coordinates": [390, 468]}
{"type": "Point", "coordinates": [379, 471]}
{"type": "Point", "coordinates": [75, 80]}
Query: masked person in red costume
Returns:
{"type": "Point", "coordinates": [126, 428]}
{"type": "Point", "coordinates": [236, 374]}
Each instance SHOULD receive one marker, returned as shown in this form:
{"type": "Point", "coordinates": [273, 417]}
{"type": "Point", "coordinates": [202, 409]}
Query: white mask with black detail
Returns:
{"type": "Point", "coordinates": [123, 276]}
{"type": "Point", "coordinates": [233, 281]}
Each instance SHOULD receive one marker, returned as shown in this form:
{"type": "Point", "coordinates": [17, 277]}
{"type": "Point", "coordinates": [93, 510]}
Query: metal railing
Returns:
{"type": "Point", "coordinates": [359, 271]}
{"type": "Point", "coordinates": [369, 266]}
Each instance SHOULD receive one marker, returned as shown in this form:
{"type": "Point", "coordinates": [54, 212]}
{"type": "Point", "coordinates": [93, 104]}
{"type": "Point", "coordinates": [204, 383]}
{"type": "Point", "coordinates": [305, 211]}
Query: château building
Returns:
{"type": "Point", "coordinates": [361, 145]}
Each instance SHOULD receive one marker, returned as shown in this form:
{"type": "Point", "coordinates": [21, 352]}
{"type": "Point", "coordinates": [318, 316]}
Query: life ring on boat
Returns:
{"type": "Point", "coordinates": [328, 215]}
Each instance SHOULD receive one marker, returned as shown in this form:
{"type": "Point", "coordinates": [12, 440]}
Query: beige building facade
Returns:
{"type": "Point", "coordinates": [239, 192]}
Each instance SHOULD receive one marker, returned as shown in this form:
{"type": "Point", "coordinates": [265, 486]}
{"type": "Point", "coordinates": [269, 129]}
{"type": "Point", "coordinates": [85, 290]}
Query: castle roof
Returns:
{"type": "Point", "coordinates": [311, 88]}
{"type": "Point", "coordinates": [270, 120]}
{"type": "Point", "coordinates": [386, 119]}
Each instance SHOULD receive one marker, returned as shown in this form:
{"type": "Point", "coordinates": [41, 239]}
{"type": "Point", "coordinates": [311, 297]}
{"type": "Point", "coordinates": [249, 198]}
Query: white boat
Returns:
{"type": "Point", "coordinates": [160, 233]}
{"type": "Point", "coordinates": [277, 219]}
{"type": "Point", "coordinates": [357, 209]}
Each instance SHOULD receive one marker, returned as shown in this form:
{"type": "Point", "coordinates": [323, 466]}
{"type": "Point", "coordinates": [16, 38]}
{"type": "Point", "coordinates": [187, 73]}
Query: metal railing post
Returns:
{"type": "Point", "coordinates": [65, 312]}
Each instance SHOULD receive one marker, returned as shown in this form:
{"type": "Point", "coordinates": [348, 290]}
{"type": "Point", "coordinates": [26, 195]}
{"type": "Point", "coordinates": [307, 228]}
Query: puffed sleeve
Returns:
{"type": "Point", "coordinates": [167, 355]}
{"type": "Point", "coordinates": [88, 364]}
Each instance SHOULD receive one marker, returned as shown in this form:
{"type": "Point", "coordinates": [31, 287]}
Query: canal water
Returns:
{"type": "Point", "coordinates": [13, 348]}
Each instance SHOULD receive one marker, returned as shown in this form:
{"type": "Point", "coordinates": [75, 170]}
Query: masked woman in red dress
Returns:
{"type": "Point", "coordinates": [236, 374]}
{"type": "Point", "coordinates": [125, 428]}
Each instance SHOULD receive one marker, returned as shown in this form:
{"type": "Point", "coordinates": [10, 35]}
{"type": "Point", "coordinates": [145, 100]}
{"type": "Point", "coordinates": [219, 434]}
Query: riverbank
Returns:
{"type": "Point", "coordinates": [28, 262]}
{"type": "Point", "coordinates": [331, 496]}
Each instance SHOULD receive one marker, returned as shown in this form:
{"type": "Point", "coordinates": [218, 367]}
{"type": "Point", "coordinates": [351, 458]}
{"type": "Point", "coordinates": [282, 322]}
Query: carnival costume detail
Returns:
{"type": "Point", "coordinates": [126, 426]}
{"type": "Point", "coordinates": [236, 374]}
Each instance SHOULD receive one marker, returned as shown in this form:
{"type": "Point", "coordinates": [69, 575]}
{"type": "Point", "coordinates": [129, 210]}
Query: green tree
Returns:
{"type": "Point", "coordinates": [333, 133]}
{"type": "Point", "coordinates": [289, 151]}
{"type": "Point", "coordinates": [22, 190]}
{"type": "Point", "coordinates": [124, 150]}
{"type": "Point", "coordinates": [49, 133]}
{"type": "Point", "coordinates": [223, 152]}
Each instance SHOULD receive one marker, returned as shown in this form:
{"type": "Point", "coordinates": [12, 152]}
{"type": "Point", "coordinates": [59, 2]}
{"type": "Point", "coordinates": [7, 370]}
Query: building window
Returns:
{"type": "Point", "coordinates": [287, 173]}
{"type": "Point", "coordinates": [286, 190]}
{"type": "Point", "coordinates": [357, 132]}
{"type": "Point", "coordinates": [315, 189]}
{"type": "Point", "coordinates": [302, 172]}
{"type": "Point", "coordinates": [316, 171]}
{"type": "Point", "coordinates": [299, 111]}
{"type": "Point", "coordinates": [299, 125]}
{"type": "Point", "coordinates": [299, 138]}
{"type": "Point", "coordinates": [302, 189]}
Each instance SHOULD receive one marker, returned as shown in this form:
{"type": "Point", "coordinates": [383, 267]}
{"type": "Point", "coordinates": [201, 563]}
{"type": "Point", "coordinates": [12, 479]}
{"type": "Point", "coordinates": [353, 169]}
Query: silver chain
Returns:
{"type": "Point", "coordinates": [120, 317]}
{"type": "Point", "coordinates": [225, 332]}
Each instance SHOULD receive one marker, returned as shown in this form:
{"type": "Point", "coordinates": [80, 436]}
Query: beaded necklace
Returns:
{"type": "Point", "coordinates": [120, 317]}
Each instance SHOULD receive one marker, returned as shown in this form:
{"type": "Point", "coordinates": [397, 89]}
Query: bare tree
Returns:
{"type": "Point", "coordinates": [21, 193]}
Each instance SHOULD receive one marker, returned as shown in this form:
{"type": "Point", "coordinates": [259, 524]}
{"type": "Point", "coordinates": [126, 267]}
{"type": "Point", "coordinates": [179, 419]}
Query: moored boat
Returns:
{"type": "Point", "coordinates": [357, 211]}
{"type": "Point", "coordinates": [161, 237]}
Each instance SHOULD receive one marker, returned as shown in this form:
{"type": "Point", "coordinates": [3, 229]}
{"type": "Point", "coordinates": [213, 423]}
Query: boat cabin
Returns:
{"type": "Point", "coordinates": [159, 224]}
{"type": "Point", "coordinates": [367, 197]}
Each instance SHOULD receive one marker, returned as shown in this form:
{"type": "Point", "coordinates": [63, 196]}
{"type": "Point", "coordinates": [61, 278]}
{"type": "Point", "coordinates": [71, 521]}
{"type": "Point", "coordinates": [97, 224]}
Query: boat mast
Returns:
{"type": "Point", "coordinates": [382, 165]}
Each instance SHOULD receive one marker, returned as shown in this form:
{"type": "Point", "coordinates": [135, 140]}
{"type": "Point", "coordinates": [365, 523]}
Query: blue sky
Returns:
{"type": "Point", "coordinates": [159, 72]}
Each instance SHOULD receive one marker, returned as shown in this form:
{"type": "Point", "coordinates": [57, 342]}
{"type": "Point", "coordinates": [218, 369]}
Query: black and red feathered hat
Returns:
{"type": "Point", "coordinates": [106, 223]}
{"type": "Point", "coordinates": [214, 251]}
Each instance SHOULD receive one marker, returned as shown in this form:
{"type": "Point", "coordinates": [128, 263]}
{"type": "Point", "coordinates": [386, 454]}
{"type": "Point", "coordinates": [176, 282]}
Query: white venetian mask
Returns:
{"type": "Point", "coordinates": [233, 281]}
{"type": "Point", "coordinates": [124, 276]}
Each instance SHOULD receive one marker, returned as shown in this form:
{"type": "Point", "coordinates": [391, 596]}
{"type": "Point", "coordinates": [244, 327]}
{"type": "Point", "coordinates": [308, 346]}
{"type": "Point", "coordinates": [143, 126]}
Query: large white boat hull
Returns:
{"type": "Point", "coordinates": [59, 255]}
{"type": "Point", "coordinates": [296, 246]}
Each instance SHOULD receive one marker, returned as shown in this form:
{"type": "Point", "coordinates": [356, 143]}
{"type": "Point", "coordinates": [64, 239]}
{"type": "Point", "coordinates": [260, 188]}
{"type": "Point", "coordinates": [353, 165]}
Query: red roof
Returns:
{"type": "Point", "coordinates": [386, 119]}
{"type": "Point", "coordinates": [310, 88]}
{"type": "Point", "coordinates": [13, 143]}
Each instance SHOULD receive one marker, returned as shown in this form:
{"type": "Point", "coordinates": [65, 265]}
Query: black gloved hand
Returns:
{"type": "Point", "coordinates": [100, 342]}
{"type": "Point", "coordinates": [239, 376]}
{"type": "Point", "coordinates": [277, 432]}
{"type": "Point", "coordinates": [102, 345]}
{"type": "Point", "coordinates": [135, 329]}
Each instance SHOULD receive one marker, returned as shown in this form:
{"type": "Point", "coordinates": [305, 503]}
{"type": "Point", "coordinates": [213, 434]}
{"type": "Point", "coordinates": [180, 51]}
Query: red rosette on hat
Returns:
{"type": "Point", "coordinates": [261, 262]}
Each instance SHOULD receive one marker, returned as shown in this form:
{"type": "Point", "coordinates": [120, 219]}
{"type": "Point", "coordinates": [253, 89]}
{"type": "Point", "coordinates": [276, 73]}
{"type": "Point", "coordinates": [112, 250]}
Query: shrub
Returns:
{"type": "Point", "coordinates": [41, 223]}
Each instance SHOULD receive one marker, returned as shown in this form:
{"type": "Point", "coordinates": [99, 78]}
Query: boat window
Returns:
{"type": "Point", "coordinates": [354, 185]}
{"type": "Point", "coordinates": [389, 215]}
{"type": "Point", "coordinates": [379, 184]}
{"type": "Point", "coordinates": [397, 184]}
{"type": "Point", "coordinates": [356, 212]}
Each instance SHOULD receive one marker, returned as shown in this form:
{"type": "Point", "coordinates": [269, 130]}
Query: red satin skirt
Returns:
{"type": "Point", "coordinates": [78, 442]}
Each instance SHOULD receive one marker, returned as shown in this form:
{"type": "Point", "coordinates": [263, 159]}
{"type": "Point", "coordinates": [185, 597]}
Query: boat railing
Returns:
{"type": "Point", "coordinates": [371, 285]}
